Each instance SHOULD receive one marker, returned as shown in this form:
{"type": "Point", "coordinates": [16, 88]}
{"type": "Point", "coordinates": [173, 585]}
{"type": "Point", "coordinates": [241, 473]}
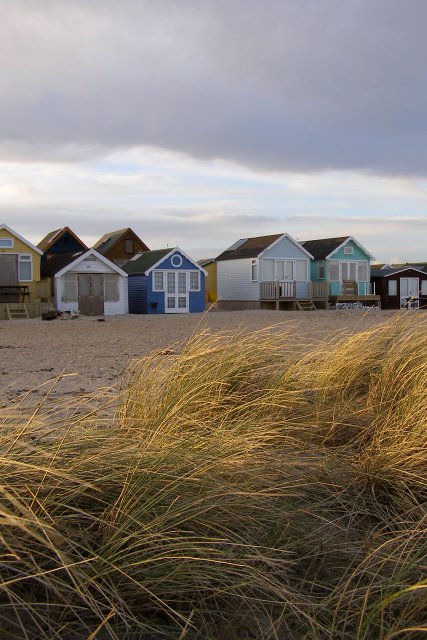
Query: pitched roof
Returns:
{"type": "Point", "coordinates": [19, 237]}
{"type": "Point", "coordinates": [383, 272]}
{"type": "Point", "coordinates": [80, 256]}
{"type": "Point", "coordinates": [248, 247]}
{"type": "Point", "coordinates": [320, 249]}
{"type": "Point", "coordinates": [108, 240]}
{"type": "Point", "coordinates": [53, 236]}
{"type": "Point", "coordinates": [57, 262]}
{"type": "Point", "coordinates": [143, 261]}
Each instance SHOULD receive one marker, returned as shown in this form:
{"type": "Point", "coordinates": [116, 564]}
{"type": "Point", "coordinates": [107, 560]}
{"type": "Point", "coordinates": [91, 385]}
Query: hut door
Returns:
{"type": "Point", "coordinates": [176, 292]}
{"type": "Point", "coordinates": [8, 269]}
{"type": "Point", "coordinates": [91, 294]}
{"type": "Point", "coordinates": [409, 288]}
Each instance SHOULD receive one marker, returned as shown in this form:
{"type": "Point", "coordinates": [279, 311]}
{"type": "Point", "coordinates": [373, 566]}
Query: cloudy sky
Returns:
{"type": "Point", "coordinates": [198, 122]}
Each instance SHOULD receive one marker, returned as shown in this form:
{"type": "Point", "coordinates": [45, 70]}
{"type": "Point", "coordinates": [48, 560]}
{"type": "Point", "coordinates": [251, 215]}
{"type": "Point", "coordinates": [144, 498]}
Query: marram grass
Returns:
{"type": "Point", "coordinates": [248, 487]}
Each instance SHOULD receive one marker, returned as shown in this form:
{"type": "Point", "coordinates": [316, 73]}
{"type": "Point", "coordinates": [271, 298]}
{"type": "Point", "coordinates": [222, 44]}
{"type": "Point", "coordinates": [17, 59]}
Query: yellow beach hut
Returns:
{"type": "Point", "coordinates": [19, 275]}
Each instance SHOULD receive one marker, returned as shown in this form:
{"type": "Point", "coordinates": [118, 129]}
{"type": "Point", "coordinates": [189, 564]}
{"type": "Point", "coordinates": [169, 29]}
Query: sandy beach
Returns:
{"type": "Point", "coordinates": [74, 357]}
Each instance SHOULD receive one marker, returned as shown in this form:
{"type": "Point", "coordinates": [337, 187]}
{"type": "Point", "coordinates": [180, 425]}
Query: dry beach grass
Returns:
{"type": "Point", "coordinates": [253, 481]}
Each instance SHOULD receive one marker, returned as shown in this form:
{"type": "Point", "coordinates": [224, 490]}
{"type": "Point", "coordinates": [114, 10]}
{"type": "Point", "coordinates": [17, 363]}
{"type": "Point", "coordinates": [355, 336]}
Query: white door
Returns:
{"type": "Point", "coordinates": [176, 296]}
{"type": "Point", "coordinates": [409, 288]}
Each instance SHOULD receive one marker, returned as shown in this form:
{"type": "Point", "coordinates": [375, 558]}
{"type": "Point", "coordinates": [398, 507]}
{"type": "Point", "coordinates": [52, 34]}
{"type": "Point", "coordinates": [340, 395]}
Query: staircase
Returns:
{"type": "Point", "coordinates": [17, 311]}
{"type": "Point", "coordinates": [305, 305]}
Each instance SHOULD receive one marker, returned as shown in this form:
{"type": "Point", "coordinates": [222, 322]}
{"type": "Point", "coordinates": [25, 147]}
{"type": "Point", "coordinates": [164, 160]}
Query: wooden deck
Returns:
{"type": "Point", "coordinates": [283, 294]}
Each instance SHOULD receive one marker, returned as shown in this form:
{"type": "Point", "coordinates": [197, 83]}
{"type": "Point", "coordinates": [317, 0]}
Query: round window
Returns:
{"type": "Point", "coordinates": [176, 260]}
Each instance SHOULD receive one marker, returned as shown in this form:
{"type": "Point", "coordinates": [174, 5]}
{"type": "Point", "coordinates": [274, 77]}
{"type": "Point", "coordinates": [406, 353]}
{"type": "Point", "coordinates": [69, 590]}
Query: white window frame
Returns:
{"type": "Point", "coordinates": [6, 243]}
{"type": "Point", "coordinates": [25, 258]}
{"type": "Point", "coordinates": [295, 270]}
{"type": "Point", "coordinates": [348, 251]}
{"type": "Point", "coordinates": [194, 273]}
{"type": "Point", "coordinates": [322, 269]}
{"type": "Point", "coordinates": [158, 272]}
{"type": "Point", "coordinates": [114, 280]}
{"type": "Point", "coordinates": [423, 287]}
{"type": "Point", "coordinates": [390, 282]}
{"type": "Point", "coordinates": [254, 270]}
{"type": "Point", "coordinates": [71, 279]}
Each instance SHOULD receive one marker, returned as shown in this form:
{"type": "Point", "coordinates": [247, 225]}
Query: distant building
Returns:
{"type": "Point", "coordinates": [120, 246]}
{"type": "Point", "coordinates": [403, 286]}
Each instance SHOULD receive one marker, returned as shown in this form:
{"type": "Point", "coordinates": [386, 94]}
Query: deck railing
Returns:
{"type": "Point", "coordinates": [277, 290]}
{"type": "Point", "coordinates": [318, 290]}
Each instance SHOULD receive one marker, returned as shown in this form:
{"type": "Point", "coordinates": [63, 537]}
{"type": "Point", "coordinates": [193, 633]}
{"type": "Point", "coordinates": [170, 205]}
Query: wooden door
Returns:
{"type": "Point", "coordinates": [8, 277]}
{"type": "Point", "coordinates": [409, 288]}
{"type": "Point", "coordinates": [91, 294]}
{"type": "Point", "coordinates": [8, 269]}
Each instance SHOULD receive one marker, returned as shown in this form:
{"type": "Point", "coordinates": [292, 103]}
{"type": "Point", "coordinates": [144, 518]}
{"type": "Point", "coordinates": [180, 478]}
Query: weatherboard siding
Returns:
{"type": "Point", "coordinates": [20, 247]}
{"type": "Point", "coordinates": [137, 292]}
{"type": "Point", "coordinates": [91, 266]}
{"type": "Point", "coordinates": [234, 280]}
{"type": "Point", "coordinates": [285, 249]}
{"type": "Point", "coordinates": [358, 253]}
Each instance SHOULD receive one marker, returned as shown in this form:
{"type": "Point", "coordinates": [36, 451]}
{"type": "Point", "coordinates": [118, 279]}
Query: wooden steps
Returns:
{"type": "Point", "coordinates": [17, 311]}
{"type": "Point", "coordinates": [305, 305]}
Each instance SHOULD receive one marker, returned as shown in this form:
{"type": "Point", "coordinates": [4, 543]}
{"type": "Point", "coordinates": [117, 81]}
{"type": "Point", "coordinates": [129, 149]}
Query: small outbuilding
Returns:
{"type": "Point", "coordinates": [165, 281]}
{"type": "Point", "coordinates": [120, 246]}
{"type": "Point", "coordinates": [87, 282]}
{"type": "Point", "coordinates": [401, 287]}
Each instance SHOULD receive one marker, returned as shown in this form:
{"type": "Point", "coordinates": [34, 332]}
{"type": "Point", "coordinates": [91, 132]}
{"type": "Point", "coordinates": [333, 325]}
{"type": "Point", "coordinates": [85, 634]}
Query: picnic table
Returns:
{"type": "Point", "coordinates": [14, 293]}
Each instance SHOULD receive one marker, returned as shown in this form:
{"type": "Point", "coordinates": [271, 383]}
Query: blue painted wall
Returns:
{"type": "Point", "coordinates": [142, 298]}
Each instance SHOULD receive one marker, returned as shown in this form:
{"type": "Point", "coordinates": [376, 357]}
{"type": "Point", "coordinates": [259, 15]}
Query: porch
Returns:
{"type": "Point", "coordinates": [290, 294]}
{"type": "Point", "coordinates": [352, 292]}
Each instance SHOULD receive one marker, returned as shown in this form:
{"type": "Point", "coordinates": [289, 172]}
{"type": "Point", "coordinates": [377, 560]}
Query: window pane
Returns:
{"type": "Point", "coordinates": [69, 292]}
{"type": "Point", "coordinates": [158, 281]}
{"type": "Point", "coordinates": [171, 303]}
{"type": "Point", "coordinates": [334, 271]}
{"type": "Point", "coordinates": [25, 268]}
{"type": "Point", "coordinates": [194, 281]}
{"type": "Point", "coordinates": [392, 287]}
{"type": "Point", "coordinates": [171, 283]}
{"type": "Point", "coordinates": [129, 246]}
{"type": "Point", "coordinates": [322, 270]}
{"type": "Point", "coordinates": [268, 269]}
{"type": "Point", "coordinates": [280, 270]}
{"type": "Point", "coordinates": [288, 269]}
{"type": "Point", "coordinates": [182, 282]}
{"type": "Point", "coordinates": [300, 270]}
{"type": "Point", "coordinates": [353, 267]}
{"type": "Point", "coordinates": [424, 287]}
{"type": "Point", "coordinates": [6, 243]}
{"type": "Point", "coordinates": [363, 272]}
{"type": "Point", "coordinates": [254, 270]}
{"type": "Point", "coordinates": [182, 303]}
{"type": "Point", "coordinates": [111, 287]}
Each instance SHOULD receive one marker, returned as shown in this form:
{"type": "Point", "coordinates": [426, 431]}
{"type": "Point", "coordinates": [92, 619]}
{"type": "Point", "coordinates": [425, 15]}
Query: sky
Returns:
{"type": "Point", "coordinates": [199, 122]}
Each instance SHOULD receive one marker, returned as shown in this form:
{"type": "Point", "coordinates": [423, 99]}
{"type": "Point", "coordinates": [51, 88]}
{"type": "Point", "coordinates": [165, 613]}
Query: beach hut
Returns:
{"type": "Point", "coordinates": [344, 265]}
{"type": "Point", "coordinates": [165, 281]}
{"type": "Point", "coordinates": [266, 272]}
{"type": "Point", "coordinates": [87, 282]}
{"type": "Point", "coordinates": [19, 274]}
{"type": "Point", "coordinates": [403, 286]}
{"type": "Point", "coordinates": [120, 246]}
{"type": "Point", "coordinates": [209, 265]}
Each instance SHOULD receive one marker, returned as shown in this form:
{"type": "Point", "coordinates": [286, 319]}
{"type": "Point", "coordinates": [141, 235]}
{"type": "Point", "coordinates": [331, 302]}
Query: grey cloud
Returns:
{"type": "Point", "coordinates": [275, 85]}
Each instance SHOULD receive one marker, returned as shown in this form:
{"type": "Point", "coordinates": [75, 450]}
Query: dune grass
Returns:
{"type": "Point", "coordinates": [248, 487]}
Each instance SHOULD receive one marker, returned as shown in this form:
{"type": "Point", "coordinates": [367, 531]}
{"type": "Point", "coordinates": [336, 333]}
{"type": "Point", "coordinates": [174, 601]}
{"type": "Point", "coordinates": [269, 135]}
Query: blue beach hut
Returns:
{"type": "Point", "coordinates": [165, 281]}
